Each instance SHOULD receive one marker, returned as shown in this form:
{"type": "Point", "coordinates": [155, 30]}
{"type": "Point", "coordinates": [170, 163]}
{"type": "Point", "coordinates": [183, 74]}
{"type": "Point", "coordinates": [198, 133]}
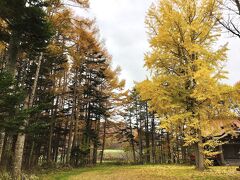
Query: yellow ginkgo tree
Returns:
{"type": "Point", "coordinates": [186, 67]}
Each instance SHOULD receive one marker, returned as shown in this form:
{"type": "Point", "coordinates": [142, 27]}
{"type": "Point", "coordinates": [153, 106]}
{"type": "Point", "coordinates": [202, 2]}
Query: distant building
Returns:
{"type": "Point", "coordinates": [227, 131]}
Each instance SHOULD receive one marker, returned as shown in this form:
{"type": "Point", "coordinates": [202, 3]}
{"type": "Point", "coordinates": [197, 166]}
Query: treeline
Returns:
{"type": "Point", "coordinates": [56, 85]}
{"type": "Point", "coordinates": [148, 139]}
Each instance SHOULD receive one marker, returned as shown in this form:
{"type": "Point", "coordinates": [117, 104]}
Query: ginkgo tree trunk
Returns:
{"type": "Point", "coordinates": [185, 67]}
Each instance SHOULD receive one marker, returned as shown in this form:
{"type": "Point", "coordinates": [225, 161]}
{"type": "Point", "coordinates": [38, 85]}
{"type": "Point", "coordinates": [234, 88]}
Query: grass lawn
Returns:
{"type": "Point", "coordinates": [145, 172]}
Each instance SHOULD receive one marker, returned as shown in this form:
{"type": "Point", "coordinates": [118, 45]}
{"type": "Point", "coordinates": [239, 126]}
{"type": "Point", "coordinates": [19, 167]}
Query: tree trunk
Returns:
{"type": "Point", "coordinates": [170, 160]}
{"type": "Point", "coordinates": [49, 158]}
{"type": "Point", "coordinates": [70, 142]}
{"type": "Point", "coordinates": [132, 141]}
{"type": "Point", "coordinates": [6, 152]}
{"type": "Point", "coordinates": [199, 152]}
{"type": "Point", "coordinates": [140, 143]}
{"type": "Point", "coordinates": [94, 153]}
{"type": "Point", "coordinates": [147, 135]}
{"type": "Point", "coordinates": [95, 144]}
{"type": "Point", "coordinates": [12, 54]}
{"type": "Point", "coordinates": [18, 156]}
{"type": "Point", "coordinates": [184, 155]}
{"type": "Point", "coordinates": [56, 152]}
{"type": "Point", "coordinates": [75, 116]}
{"type": "Point", "coordinates": [177, 148]}
{"type": "Point", "coordinates": [222, 160]}
{"type": "Point", "coordinates": [139, 129]}
{"type": "Point", "coordinates": [19, 146]}
{"type": "Point", "coordinates": [2, 136]}
{"type": "Point", "coordinates": [133, 150]}
{"type": "Point", "coordinates": [161, 154]}
{"type": "Point", "coordinates": [31, 155]}
{"type": "Point", "coordinates": [53, 114]}
{"type": "Point", "coordinates": [88, 127]}
{"type": "Point", "coordinates": [103, 141]}
{"type": "Point", "coordinates": [153, 140]}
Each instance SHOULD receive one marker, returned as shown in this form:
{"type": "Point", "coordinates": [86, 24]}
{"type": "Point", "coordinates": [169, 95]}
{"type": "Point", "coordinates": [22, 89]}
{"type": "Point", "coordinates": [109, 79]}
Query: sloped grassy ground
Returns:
{"type": "Point", "coordinates": [146, 172]}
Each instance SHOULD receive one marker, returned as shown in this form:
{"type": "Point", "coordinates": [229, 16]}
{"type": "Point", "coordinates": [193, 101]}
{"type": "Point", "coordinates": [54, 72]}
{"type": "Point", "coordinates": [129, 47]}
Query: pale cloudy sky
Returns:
{"type": "Point", "coordinates": [121, 24]}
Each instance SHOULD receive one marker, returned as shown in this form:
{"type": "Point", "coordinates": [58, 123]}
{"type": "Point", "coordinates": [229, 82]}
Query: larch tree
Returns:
{"type": "Point", "coordinates": [185, 66]}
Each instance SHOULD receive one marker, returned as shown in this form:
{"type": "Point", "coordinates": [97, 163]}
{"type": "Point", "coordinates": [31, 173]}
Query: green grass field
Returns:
{"type": "Point", "coordinates": [113, 154]}
{"type": "Point", "coordinates": [145, 172]}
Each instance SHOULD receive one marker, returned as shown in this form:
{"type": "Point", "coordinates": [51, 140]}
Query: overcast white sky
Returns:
{"type": "Point", "coordinates": [121, 24]}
